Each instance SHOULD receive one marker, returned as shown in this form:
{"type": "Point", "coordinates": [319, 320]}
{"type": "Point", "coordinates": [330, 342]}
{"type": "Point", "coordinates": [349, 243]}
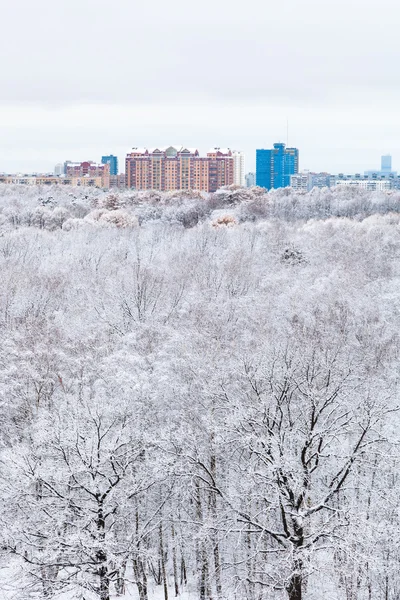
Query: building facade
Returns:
{"type": "Point", "coordinates": [386, 163]}
{"type": "Point", "coordinates": [385, 170]}
{"type": "Point", "coordinates": [178, 168]}
{"type": "Point", "coordinates": [239, 168]}
{"type": "Point", "coordinates": [66, 163]}
{"type": "Point", "coordinates": [321, 180]}
{"type": "Point", "coordinates": [117, 181]}
{"type": "Point", "coordinates": [89, 170]}
{"type": "Point", "coordinates": [52, 180]}
{"type": "Point", "coordinates": [275, 166]}
{"type": "Point", "coordinates": [300, 182]}
{"type": "Point", "coordinates": [306, 181]}
{"type": "Point", "coordinates": [264, 168]}
{"type": "Point", "coordinates": [112, 161]}
{"type": "Point", "coordinates": [250, 180]}
{"type": "Point", "coordinates": [366, 182]}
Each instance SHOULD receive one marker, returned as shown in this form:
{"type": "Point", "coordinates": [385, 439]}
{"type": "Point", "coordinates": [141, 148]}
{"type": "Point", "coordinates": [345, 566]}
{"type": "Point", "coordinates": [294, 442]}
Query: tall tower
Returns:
{"type": "Point", "coordinates": [386, 163]}
{"type": "Point", "coordinates": [239, 167]}
{"type": "Point", "coordinates": [274, 167]}
{"type": "Point", "coordinates": [59, 169]}
{"type": "Point", "coordinates": [264, 168]}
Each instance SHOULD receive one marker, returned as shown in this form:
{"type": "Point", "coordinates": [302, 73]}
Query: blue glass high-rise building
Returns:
{"type": "Point", "coordinates": [112, 161]}
{"type": "Point", "coordinates": [264, 168]}
{"type": "Point", "coordinates": [274, 167]}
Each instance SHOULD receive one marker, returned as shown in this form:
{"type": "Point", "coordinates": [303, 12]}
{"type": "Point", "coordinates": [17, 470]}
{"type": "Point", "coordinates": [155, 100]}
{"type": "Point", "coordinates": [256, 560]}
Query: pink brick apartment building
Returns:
{"type": "Point", "coordinates": [178, 168]}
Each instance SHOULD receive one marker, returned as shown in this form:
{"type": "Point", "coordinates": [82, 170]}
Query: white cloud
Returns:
{"type": "Point", "coordinates": [92, 77]}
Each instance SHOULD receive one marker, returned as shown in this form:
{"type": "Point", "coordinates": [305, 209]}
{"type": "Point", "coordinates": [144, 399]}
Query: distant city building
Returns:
{"type": "Point", "coordinates": [178, 168]}
{"type": "Point", "coordinates": [112, 161]}
{"type": "Point", "coordinates": [264, 168]}
{"type": "Point", "coordinates": [36, 179]}
{"type": "Point", "coordinates": [59, 169]}
{"type": "Point", "coordinates": [66, 163]}
{"type": "Point", "coordinates": [321, 180]}
{"type": "Point", "coordinates": [385, 170]}
{"type": "Point", "coordinates": [117, 181]}
{"type": "Point", "coordinates": [367, 182]}
{"type": "Point", "coordinates": [90, 170]}
{"type": "Point", "coordinates": [306, 181]}
{"type": "Point", "coordinates": [386, 163]}
{"type": "Point", "coordinates": [250, 180]}
{"type": "Point", "coordinates": [300, 182]}
{"type": "Point", "coordinates": [239, 168]}
{"type": "Point", "coordinates": [275, 166]}
{"type": "Point", "coordinates": [221, 168]}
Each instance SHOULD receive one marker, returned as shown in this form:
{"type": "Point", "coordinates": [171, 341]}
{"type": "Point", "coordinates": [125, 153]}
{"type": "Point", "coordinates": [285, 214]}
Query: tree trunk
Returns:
{"type": "Point", "coordinates": [183, 572]}
{"type": "Point", "coordinates": [139, 570]}
{"type": "Point", "coordinates": [162, 559]}
{"type": "Point", "coordinates": [295, 586]}
{"type": "Point", "coordinates": [204, 576]}
{"type": "Point", "coordinates": [201, 554]}
{"type": "Point", "coordinates": [101, 556]}
{"type": "Point", "coordinates": [144, 580]}
{"type": "Point", "coordinates": [217, 565]}
{"type": "Point", "coordinates": [174, 564]}
{"type": "Point", "coordinates": [250, 565]}
{"type": "Point", "coordinates": [140, 577]}
{"type": "Point", "coordinates": [104, 582]}
{"type": "Point", "coordinates": [45, 582]}
{"type": "Point", "coordinates": [120, 581]}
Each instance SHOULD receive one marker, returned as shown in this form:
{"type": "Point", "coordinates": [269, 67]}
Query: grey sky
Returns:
{"type": "Point", "coordinates": [84, 78]}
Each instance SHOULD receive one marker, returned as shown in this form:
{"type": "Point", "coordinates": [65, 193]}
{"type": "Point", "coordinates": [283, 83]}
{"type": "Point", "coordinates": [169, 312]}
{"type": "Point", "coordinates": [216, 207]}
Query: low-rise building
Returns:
{"type": "Point", "coordinates": [84, 181]}
{"type": "Point", "coordinates": [306, 181]}
{"type": "Point", "coordinates": [300, 182]}
{"type": "Point", "coordinates": [365, 183]}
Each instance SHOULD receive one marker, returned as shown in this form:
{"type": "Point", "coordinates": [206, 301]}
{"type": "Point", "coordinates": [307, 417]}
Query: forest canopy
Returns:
{"type": "Point", "coordinates": [199, 394]}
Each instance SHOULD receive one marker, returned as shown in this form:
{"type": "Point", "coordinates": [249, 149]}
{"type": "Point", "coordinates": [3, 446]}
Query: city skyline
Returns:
{"type": "Point", "coordinates": [357, 165]}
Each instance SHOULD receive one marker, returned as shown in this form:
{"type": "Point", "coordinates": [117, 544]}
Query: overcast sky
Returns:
{"type": "Point", "coordinates": [83, 78]}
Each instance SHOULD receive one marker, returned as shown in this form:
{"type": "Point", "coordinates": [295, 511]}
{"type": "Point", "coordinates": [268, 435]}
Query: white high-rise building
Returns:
{"type": "Point", "coordinates": [59, 169]}
{"type": "Point", "coordinates": [238, 168]}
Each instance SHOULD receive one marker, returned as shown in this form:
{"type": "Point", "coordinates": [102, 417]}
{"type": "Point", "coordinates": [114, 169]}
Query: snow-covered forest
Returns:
{"type": "Point", "coordinates": [199, 395]}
